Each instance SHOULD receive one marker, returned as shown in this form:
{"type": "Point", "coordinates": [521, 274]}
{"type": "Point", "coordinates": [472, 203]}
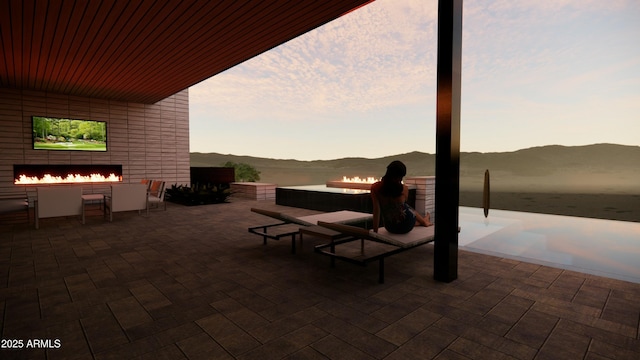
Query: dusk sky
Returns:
{"type": "Point", "coordinates": [534, 72]}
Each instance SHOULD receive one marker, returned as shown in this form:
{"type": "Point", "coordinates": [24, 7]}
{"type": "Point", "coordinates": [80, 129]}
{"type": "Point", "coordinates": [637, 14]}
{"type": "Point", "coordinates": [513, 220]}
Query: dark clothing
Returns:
{"type": "Point", "coordinates": [398, 218]}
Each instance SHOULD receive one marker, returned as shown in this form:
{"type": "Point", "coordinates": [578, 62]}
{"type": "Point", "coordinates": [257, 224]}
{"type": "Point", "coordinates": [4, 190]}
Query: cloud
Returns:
{"type": "Point", "coordinates": [569, 67]}
{"type": "Point", "coordinates": [548, 51]}
{"type": "Point", "coordinates": [381, 55]}
{"type": "Point", "coordinates": [505, 36]}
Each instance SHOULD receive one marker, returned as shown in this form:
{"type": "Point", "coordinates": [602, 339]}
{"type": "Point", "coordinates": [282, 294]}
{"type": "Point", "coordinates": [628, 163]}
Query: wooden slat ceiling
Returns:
{"type": "Point", "coordinates": [144, 50]}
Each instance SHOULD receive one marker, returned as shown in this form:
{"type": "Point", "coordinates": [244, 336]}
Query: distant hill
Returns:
{"type": "Point", "coordinates": [601, 168]}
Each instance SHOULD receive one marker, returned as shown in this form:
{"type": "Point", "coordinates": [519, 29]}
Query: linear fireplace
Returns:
{"type": "Point", "coordinates": [28, 174]}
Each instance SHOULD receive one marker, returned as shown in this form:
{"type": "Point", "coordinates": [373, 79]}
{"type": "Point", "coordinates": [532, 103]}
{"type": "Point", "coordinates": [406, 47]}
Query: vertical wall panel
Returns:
{"type": "Point", "coordinates": [147, 140]}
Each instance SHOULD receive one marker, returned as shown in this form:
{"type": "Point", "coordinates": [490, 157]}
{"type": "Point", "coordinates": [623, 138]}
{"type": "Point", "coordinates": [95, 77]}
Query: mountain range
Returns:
{"type": "Point", "coordinates": [598, 168]}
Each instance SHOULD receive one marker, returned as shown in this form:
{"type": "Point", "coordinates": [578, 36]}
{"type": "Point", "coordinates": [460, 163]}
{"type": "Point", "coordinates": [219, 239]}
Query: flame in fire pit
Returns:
{"type": "Point", "coordinates": [369, 180]}
{"type": "Point", "coordinates": [353, 183]}
{"type": "Point", "coordinates": [71, 178]}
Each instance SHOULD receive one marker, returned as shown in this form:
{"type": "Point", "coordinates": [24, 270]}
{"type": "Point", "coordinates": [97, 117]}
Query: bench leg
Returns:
{"type": "Point", "coordinates": [264, 238]}
{"type": "Point", "coordinates": [293, 244]}
{"type": "Point", "coordinates": [300, 238]}
{"type": "Point", "coordinates": [332, 248]}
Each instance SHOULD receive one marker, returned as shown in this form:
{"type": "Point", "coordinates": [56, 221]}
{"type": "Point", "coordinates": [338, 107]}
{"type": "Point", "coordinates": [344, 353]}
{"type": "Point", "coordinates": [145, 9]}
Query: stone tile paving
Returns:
{"type": "Point", "coordinates": [192, 283]}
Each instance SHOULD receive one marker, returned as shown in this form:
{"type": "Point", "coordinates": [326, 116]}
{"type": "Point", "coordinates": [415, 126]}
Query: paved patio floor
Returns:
{"type": "Point", "coordinates": [193, 283]}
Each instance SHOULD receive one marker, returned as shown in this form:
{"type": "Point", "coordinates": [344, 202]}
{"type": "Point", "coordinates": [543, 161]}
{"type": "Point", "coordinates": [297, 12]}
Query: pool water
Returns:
{"type": "Point", "coordinates": [594, 246]}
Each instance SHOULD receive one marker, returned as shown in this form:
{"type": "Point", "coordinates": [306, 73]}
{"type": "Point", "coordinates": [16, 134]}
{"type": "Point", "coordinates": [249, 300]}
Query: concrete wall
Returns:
{"type": "Point", "coordinates": [149, 141]}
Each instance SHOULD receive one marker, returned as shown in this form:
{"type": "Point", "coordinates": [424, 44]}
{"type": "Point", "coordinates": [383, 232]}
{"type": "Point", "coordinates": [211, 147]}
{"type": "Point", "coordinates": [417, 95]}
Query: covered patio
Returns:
{"type": "Point", "coordinates": [193, 283]}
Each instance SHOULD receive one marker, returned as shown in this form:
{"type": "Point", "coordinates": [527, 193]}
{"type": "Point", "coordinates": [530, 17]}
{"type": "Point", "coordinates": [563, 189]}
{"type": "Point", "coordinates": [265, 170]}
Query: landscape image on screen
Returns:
{"type": "Point", "coordinates": [69, 134]}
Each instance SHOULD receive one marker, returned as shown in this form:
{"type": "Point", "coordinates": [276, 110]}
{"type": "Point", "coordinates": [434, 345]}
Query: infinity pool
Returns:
{"type": "Point", "coordinates": [594, 246]}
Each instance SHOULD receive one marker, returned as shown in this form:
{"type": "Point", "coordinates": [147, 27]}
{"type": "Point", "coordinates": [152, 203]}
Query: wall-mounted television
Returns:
{"type": "Point", "coordinates": [50, 133]}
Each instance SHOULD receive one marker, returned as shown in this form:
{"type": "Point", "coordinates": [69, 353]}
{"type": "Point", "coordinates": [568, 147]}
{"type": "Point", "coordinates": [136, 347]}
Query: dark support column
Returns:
{"type": "Point", "coordinates": [448, 140]}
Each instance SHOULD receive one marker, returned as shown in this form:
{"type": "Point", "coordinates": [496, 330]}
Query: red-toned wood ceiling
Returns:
{"type": "Point", "coordinates": [144, 50]}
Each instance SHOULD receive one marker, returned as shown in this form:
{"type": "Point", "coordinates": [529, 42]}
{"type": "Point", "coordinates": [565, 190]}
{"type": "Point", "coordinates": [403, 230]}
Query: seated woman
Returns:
{"type": "Point", "coordinates": [389, 197]}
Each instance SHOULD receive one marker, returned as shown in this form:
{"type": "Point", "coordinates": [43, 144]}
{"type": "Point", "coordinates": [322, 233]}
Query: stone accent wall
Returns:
{"type": "Point", "coordinates": [253, 190]}
{"type": "Point", "coordinates": [425, 193]}
{"type": "Point", "coordinates": [149, 141]}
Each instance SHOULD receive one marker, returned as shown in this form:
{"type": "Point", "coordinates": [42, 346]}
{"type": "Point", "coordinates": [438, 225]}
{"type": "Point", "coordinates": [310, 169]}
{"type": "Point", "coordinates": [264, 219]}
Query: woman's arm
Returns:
{"type": "Point", "coordinates": [405, 193]}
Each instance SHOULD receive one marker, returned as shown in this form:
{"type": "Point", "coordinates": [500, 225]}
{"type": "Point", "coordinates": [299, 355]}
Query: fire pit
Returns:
{"type": "Point", "coordinates": [327, 198]}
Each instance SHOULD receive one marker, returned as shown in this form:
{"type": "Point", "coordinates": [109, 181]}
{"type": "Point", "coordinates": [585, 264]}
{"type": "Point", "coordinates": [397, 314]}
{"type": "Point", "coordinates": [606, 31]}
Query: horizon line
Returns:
{"type": "Point", "coordinates": [417, 151]}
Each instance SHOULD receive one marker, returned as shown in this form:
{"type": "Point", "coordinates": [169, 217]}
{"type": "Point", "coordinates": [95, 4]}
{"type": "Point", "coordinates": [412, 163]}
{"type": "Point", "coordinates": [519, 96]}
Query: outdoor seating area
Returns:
{"type": "Point", "coordinates": [191, 282]}
{"type": "Point", "coordinates": [95, 96]}
{"type": "Point", "coordinates": [71, 200]}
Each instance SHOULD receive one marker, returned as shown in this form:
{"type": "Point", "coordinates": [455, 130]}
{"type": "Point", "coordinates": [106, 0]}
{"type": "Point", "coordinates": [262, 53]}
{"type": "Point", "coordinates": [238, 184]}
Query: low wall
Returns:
{"type": "Point", "coordinates": [425, 193]}
{"type": "Point", "coordinates": [254, 190]}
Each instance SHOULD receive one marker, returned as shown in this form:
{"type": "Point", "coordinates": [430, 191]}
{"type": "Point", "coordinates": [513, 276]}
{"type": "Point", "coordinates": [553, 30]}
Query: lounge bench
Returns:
{"type": "Point", "coordinates": [291, 226]}
{"type": "Point", "coordinates": [390, 244]}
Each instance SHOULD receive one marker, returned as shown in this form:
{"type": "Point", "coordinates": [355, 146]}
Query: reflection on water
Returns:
{"type": "Point", "coordinates": [600, 247]}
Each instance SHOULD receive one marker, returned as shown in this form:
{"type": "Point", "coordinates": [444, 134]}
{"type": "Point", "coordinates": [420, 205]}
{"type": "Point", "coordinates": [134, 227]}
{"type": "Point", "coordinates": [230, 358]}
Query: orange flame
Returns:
{"type": "Point", "coordinates": [71, 178]}
{"type": "Point", "coordinates": [369, 180]}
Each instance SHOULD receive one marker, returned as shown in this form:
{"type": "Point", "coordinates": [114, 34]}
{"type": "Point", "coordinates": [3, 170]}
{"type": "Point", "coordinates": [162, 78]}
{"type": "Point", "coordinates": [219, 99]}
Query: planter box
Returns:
{"type": "Point", "coordinates": [254, 190]}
